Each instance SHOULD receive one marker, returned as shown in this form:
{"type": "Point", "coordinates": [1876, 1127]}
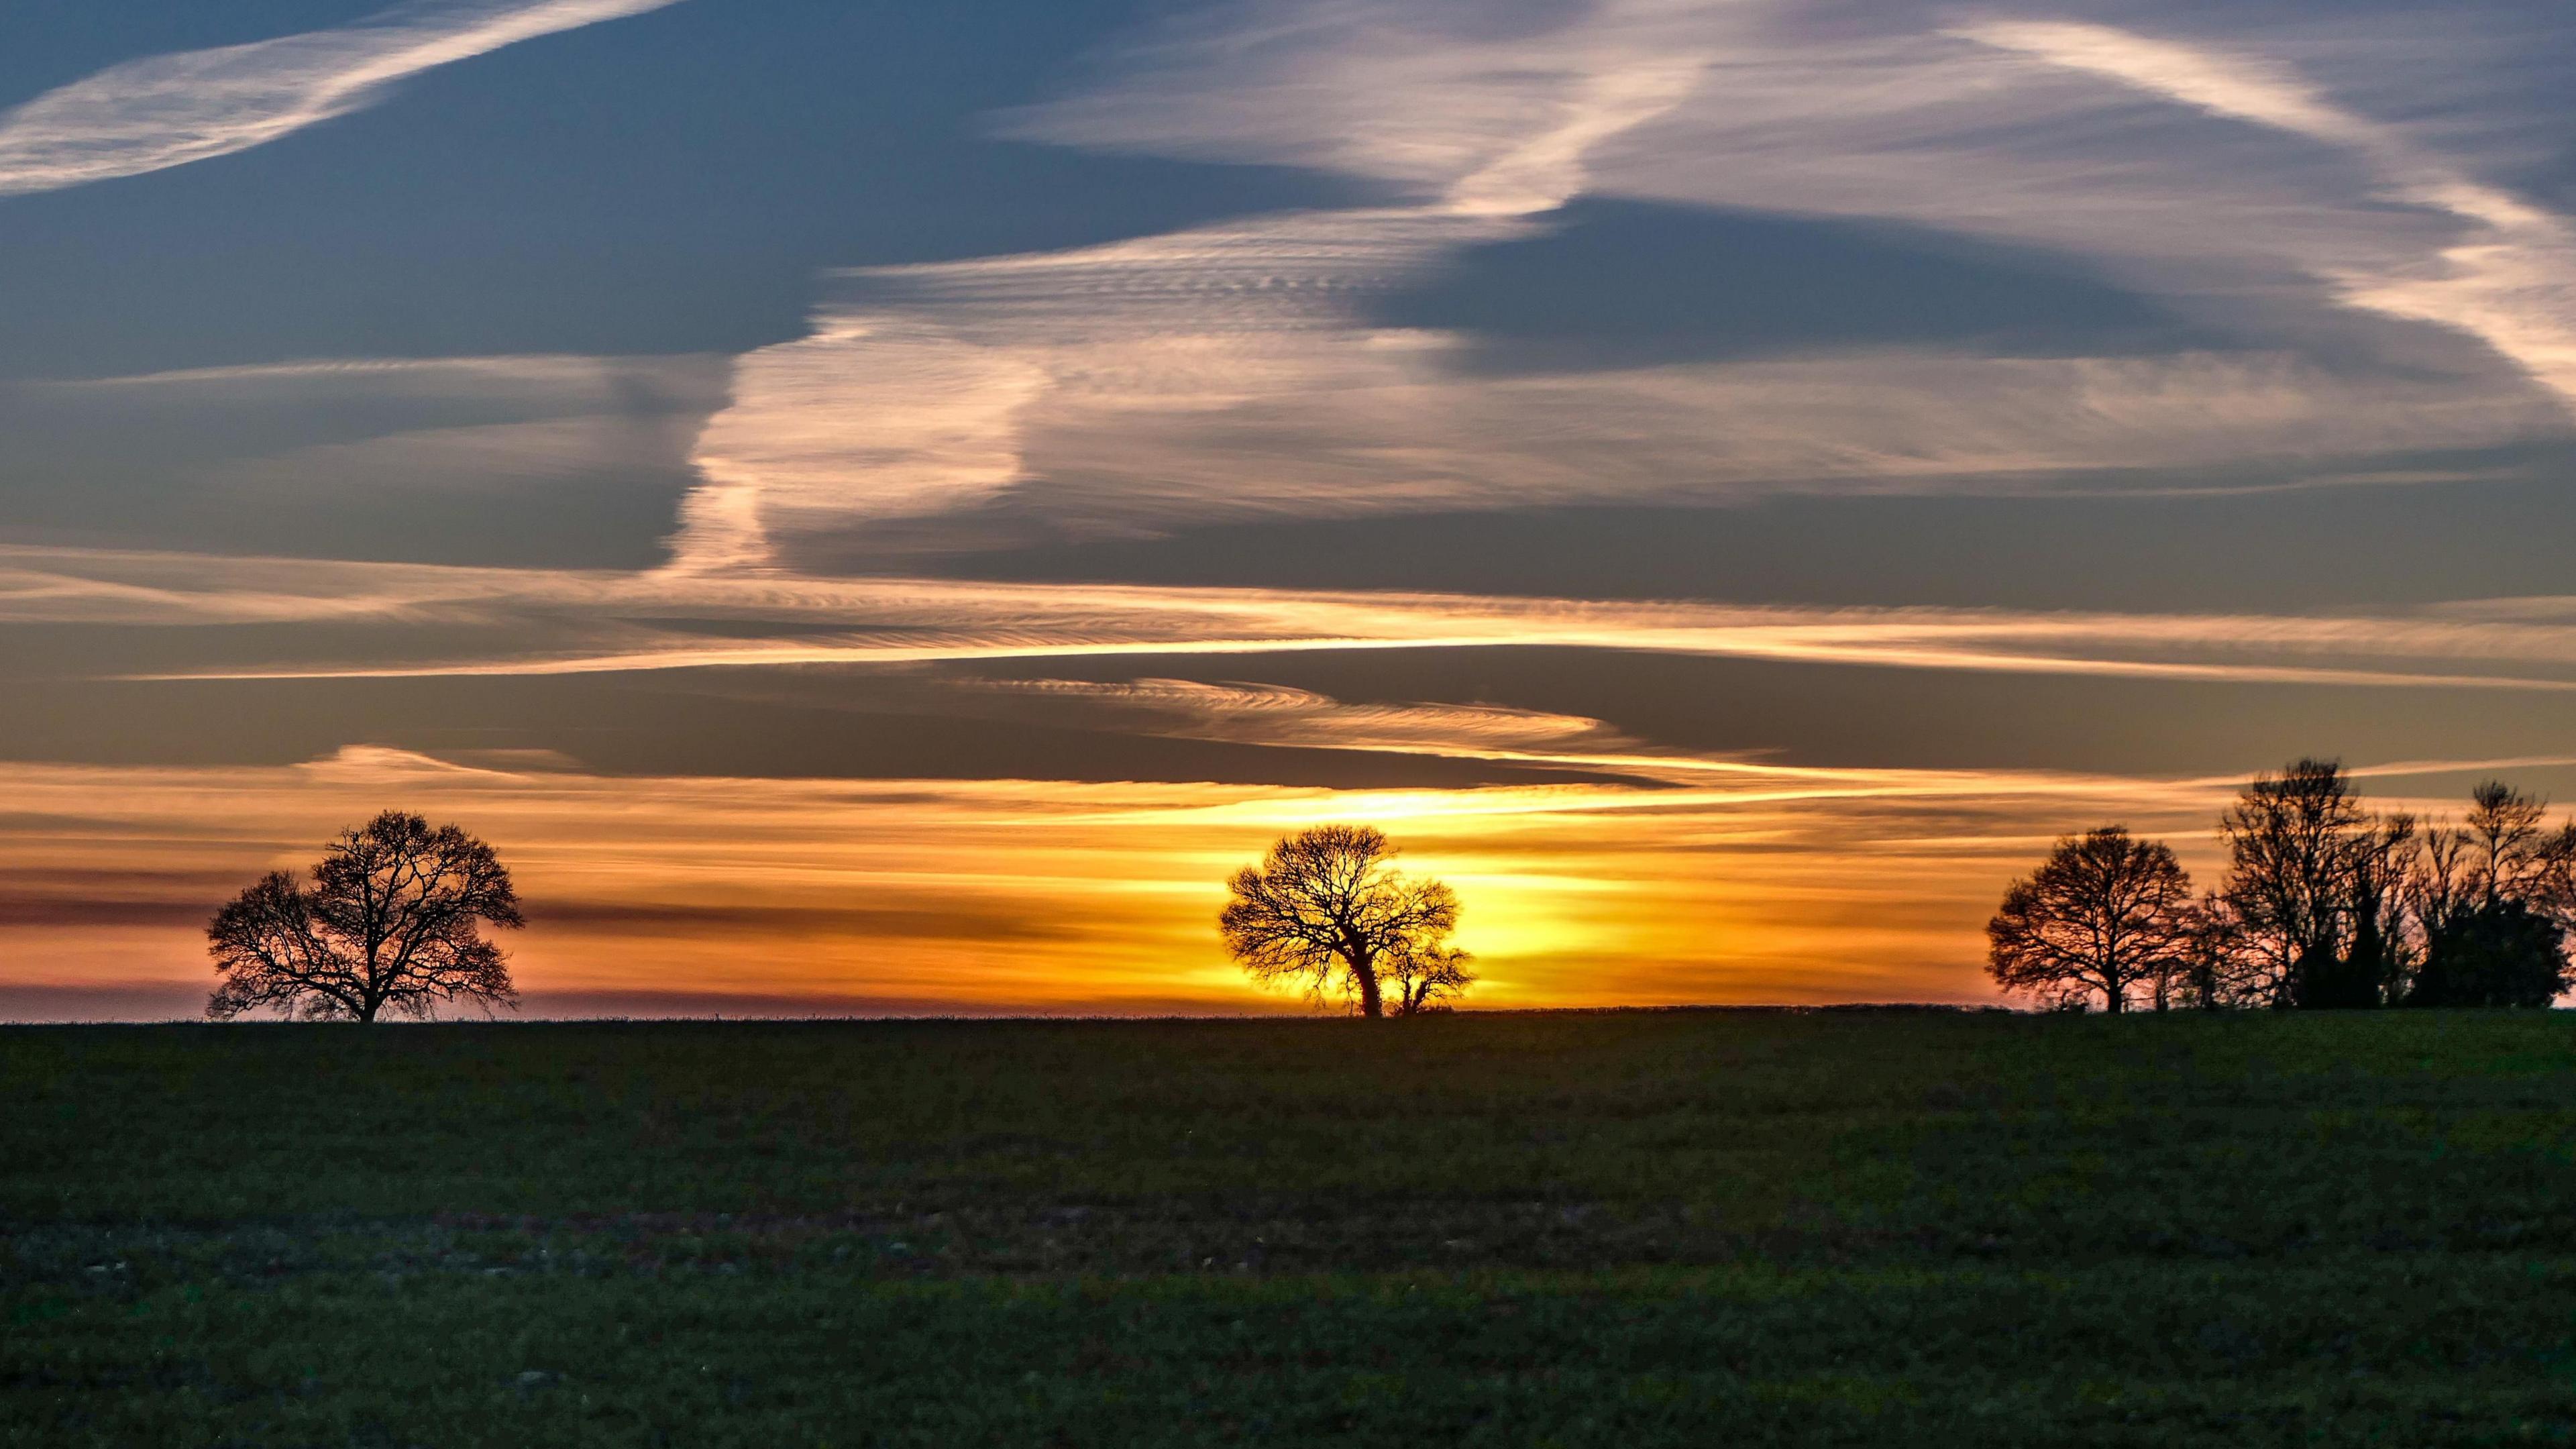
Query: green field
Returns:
{"type": "Point", "coordinates": [1628, 1229]}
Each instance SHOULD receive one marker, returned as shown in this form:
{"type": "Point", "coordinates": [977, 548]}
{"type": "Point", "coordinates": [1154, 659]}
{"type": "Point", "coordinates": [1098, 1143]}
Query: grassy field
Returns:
{"type": "Point", "coordinates": [1626, 1228]}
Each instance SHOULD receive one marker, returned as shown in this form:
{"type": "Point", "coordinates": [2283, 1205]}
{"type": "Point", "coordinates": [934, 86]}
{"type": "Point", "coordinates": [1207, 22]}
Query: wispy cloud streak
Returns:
{"type": "Point", "coordinates": [570, 622]}
{"type": "Point", "coordinates": [169, 110]}
{"type": "Point", "coordinates": [2510, 281]}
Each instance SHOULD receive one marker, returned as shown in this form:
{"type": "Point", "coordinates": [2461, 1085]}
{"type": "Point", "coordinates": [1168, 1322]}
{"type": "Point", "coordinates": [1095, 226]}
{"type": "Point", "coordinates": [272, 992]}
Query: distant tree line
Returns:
{"type": "Point", "coordinates": [2326, 904]}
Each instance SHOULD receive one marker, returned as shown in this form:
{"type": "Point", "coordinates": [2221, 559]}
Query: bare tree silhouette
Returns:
{"type": "Point", "coordinates": [1424, 978]}
{"type": "Point", "coordinates": [2326, 904]}
{"type": "Point", "coordinates": [389, 922]}
{"type": "Point", "coordinates": [2104, 913]}
{"type": "Point", "coordinates": [2493, 900]}
{"type": "Point", "coordinates": [2289, 839]}
{"type": "Point", "coordinates": [1327, 908]}
{"type": "Point", "coordinates": [2219, 968]}
{"type": "Point", "coordinates": [2317, 884]}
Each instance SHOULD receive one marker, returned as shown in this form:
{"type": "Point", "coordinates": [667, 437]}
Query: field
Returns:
{"type": "Point", "coordinates": [1623, 1228]}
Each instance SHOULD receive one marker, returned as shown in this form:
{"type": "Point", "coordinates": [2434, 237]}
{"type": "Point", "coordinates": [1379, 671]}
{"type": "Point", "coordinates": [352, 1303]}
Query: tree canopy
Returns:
{"type": "Point", "coordinates": [1326, 909]}
{"type": "Point", "coordinates": [2104, 914]}
{"type": "Point", "coordinates": [390, 921]}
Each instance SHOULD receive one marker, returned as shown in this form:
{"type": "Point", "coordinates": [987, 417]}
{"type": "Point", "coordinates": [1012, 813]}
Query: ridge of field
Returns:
{"type": "Point", "coordinates": [1635, 1227]}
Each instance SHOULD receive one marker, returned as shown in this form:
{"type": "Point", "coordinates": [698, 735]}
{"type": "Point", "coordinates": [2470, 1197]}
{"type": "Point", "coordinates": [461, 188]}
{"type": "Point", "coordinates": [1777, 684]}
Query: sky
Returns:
{"type": "Point", "coordinates": [879, 508]}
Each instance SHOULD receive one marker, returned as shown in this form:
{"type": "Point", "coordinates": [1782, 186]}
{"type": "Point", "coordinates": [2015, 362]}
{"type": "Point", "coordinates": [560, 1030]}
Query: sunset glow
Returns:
{"type": "Point", "coordinates": [739, 896]}
{"type": "Point", "coordinates": [1723, 487]}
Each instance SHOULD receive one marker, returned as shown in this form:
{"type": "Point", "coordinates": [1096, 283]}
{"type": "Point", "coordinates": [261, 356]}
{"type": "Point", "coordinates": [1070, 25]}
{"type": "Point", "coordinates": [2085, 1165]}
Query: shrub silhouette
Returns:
{"type": "Point", "coordinates": [2504, 954]}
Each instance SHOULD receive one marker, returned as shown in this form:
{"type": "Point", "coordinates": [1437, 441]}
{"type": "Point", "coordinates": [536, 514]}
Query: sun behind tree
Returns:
{"type": "Point", "coordinates": [390, 923]}
{"type": "Point", "coordinates": [1327, 908]}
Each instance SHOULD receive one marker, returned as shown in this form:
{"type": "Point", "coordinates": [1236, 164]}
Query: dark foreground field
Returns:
{"type": "Point", "coordinates": [1625, 1229]}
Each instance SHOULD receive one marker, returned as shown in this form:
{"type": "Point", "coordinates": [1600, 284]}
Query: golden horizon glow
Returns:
{"type": "Point", "coordinates": [748, 896]}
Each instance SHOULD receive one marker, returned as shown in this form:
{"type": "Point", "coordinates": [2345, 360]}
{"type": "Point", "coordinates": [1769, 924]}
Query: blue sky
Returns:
{"type": "Point", "coordinates": [1186, 394]}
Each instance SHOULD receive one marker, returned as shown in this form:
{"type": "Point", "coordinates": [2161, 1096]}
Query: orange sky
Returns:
{"type": "Point", "coordinates": [696, 895]}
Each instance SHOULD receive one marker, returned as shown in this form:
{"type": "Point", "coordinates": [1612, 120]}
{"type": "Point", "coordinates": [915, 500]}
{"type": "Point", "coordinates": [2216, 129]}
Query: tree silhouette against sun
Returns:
{"type": "Point", "coordinates": [1327, 909]}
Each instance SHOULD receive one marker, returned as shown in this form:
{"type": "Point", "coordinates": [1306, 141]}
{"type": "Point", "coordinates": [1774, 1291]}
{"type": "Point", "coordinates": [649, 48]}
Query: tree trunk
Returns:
{"type": "Point", "coordinates": [1364, 971]}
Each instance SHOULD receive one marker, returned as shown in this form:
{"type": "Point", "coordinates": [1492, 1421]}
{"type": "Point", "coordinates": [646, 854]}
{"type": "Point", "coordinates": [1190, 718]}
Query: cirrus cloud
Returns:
{"type": "Point", "coordinates": [168, 110]}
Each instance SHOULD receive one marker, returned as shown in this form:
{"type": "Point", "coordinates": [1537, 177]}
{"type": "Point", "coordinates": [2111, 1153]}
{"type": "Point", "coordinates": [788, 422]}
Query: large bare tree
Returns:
{"type": "Point", "coordinates": [1326, 908]}
{"type": "Point", "coordinates": [2315, 881]}
{"type": "Point", "coordinates": [2104, 913]}
{"type": "Point", "coordinates": [391, 921]}
{"type": "Point", "coordinates": [2290, 844]}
